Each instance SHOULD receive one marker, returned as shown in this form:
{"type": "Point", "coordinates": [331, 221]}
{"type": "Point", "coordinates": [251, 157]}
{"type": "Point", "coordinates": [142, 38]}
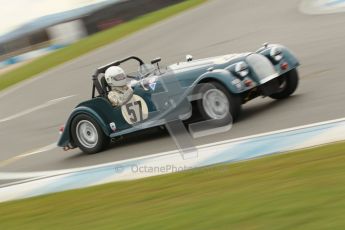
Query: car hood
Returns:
{"type": "Point", "coordinates": [206, 62]}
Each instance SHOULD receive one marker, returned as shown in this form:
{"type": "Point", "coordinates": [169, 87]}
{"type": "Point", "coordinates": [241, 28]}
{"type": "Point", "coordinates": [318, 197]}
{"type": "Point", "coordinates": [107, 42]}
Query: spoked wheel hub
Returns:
{"type": "Point", "coordinates": [216, 104]}
{"type": "Point", "coordinates": [87, 134]}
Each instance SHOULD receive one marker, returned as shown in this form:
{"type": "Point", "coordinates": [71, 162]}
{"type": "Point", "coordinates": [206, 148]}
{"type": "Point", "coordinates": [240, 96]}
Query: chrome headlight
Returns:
{"type": "Point", "coordinates": [241, 69]}
{"type": "Point", "coordinates": [277, 54]}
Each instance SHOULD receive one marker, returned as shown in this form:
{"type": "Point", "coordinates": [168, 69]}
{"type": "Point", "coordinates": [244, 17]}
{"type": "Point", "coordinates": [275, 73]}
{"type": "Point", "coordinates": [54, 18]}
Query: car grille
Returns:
{"type": "Point", "coordinates": [262, 67]}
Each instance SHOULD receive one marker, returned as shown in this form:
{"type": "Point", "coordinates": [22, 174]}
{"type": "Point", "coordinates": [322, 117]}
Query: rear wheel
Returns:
{"type": "Point", "coordinates": [288, 85]}
{"type": "Point", "coordinates": [88, 135]}
{"type": "Point", "coordinates": [217, 102]}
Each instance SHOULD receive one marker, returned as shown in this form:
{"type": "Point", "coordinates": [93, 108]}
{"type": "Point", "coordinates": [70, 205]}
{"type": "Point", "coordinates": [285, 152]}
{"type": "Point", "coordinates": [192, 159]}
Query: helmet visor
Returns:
{"type": "Point", "coordinates": [119, 77]}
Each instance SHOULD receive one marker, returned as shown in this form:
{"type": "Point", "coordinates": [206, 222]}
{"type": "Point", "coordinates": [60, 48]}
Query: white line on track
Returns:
{"type": "Point", "coordinates": [25, 175]}
{"type": "Point", "coordinates": [22, 84]}
{"type": "Point", "coordinates": [27, 154]}
{"type": "Point", "coordinates": [50, 72]}
{"type": "Point", "coordinates": [44, 105]}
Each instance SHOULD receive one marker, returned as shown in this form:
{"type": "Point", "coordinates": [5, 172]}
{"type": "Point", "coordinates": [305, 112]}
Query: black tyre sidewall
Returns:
{"type": "Point", "coordinates": [292, 80]}
{"type": "Point", "coordinates": [103, 140]}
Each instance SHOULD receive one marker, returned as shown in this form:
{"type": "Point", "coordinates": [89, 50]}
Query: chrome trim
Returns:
{"type": "Point", "coordinates": [267, 79]}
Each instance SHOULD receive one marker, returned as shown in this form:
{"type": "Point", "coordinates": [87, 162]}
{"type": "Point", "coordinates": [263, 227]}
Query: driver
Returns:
{"type": "Point", "coordinates": [120, 92]}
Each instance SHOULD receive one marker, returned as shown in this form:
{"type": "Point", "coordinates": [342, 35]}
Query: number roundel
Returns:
{"type": "Point", "coordinates": [135, 110]}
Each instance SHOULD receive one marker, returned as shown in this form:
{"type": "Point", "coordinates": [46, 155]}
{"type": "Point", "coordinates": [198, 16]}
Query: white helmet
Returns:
{"type": "Point", "coordinates": [115, 76]}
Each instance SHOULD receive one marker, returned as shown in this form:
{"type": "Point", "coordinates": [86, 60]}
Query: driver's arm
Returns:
{"type": "Point", "coordinates": [118, 99]}
{"type": "Point", "coordinates": [113, 98]}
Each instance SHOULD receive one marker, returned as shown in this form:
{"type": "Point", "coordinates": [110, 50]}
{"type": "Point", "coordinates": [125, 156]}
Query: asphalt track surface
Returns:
{"type": "Point", "coordinates": [215, 28]}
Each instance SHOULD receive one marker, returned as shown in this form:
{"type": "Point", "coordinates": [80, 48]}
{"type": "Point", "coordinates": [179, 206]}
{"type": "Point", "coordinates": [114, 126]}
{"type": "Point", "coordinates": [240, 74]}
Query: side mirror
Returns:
{"type": "Point", "coordinates": [189, 58]}
{"type": "Point", "coordinates": [156, 60]}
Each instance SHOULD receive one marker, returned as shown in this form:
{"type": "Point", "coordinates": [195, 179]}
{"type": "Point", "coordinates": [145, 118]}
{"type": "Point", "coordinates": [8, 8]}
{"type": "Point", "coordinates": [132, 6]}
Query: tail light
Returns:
{"type": "Point", "coordinates": [61, 129]}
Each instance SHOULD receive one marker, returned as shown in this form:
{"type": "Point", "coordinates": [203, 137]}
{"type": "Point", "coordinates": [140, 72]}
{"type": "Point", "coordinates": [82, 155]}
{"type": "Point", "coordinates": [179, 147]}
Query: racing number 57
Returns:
{"type": "Point", "coordinates": [135, 111]}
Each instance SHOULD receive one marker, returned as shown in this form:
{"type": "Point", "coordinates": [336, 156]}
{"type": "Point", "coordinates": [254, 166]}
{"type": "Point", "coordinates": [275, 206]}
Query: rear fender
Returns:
{"type": "Point", "coordinates": [66, 137]}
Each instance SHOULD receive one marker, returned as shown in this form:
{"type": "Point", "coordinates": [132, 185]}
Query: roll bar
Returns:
{"type": "Point", "coordinates": [96, 84]}
{"type": "Point", "coordinates": [102, 69]}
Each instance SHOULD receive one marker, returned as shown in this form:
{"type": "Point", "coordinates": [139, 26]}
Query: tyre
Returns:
{"type": "Point", "coordinates": [217, 102]}
{"type": "Point", "coordinates": [88, 135]}
{"type": "Point", "coordinates": [288, 85]}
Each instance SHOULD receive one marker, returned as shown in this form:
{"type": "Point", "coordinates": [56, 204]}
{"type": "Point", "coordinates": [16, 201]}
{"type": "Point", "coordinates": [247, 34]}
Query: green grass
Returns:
{"type": "Point", "coordinates": [90, 43]}
{"type": "Point", "coordinates": [301, 190]}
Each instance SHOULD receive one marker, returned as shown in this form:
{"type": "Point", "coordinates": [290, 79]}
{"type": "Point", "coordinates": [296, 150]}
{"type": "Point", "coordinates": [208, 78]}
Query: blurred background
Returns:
{"type": "Point", "coordinates": [48, 25]}
{"type": "Point", "coordinates": [300, 190]}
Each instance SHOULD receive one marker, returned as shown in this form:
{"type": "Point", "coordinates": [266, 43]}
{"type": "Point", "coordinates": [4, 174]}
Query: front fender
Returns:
{"type": "Point", "coordinates": [288, 57]}
{"type": "Point", "coordinates": [66, 138]}
{"type": "Point", "coordinates": [224, 77]}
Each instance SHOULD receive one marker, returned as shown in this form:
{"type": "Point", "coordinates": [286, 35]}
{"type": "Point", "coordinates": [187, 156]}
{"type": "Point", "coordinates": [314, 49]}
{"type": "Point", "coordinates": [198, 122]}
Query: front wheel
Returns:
{"type": "Point", "coordinates": [288, 85]}
{"type": "Point", "coordinates": [217, 102]}
{"type": "Point", "coordinates": [88, 135]}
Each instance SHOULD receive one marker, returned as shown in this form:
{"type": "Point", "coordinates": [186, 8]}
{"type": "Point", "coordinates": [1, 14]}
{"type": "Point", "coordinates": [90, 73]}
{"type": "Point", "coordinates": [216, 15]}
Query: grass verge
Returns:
{"type": "Point", "coordinates": [301, 190]}
{"type": "Point", "coordinates": [90, 43]}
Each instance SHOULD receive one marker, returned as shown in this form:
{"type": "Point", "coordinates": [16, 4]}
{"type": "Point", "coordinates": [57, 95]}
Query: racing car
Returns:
{"type": "Point", "coordinates": [223, 84]}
